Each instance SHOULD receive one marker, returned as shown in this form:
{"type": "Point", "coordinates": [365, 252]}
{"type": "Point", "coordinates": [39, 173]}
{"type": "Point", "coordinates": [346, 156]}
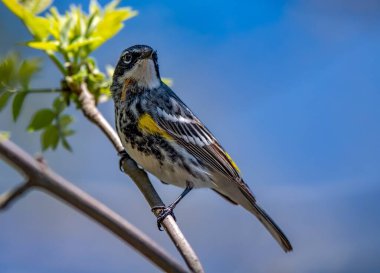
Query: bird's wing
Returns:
{"type": "Point", "coordinates": [189, 132]}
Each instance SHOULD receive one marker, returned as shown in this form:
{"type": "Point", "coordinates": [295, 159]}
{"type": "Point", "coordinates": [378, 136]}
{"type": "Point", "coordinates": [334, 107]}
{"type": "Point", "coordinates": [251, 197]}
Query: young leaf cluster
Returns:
{"type": "Point", "coordinates": [15, 76]}
{"type": "Point", "coordinates": [68, 39]}
{"type": "Point", "coordinates": [53, 124]}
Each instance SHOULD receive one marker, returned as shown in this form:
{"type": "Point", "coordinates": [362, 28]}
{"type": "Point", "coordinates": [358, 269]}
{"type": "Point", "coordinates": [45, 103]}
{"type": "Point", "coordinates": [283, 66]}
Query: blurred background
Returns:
{"type": "Point", "coordinates": [290, 88]}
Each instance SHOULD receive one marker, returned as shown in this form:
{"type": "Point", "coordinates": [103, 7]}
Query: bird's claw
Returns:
{"type": "Point", "coordinates": [165, 211]}
{"type": "Point", "coordinates": [123, 155]}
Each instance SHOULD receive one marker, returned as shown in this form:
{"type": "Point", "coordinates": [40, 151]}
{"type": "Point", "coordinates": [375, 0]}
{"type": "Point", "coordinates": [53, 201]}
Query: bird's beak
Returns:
{"type": "Point", "coordinates": [147, 54]}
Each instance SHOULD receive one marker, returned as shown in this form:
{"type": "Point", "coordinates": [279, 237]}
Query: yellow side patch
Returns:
{"type": "Point", "coordinates": [147, 124]}
{"type": "Point", "coordinates": [232, 162]}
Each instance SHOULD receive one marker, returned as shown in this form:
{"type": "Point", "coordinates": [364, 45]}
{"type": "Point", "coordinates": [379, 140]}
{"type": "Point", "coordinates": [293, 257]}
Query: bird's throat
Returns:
{"type": "Point", "coordinates": [144, 74]}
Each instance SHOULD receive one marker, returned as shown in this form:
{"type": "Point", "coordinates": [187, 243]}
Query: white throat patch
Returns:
{"type": "Point", "coordinates": [144, 73]}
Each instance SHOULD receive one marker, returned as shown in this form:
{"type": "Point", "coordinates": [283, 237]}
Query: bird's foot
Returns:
{"type": "Point", "coordinates": [123, 156]}
{"type": "Point", "coordinates": [165, 211]}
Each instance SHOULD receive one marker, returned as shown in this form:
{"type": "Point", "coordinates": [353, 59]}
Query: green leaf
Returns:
{"type": "Point", "coordinates": [55, 20]}
{"type": "Point", "coordinates": [27, 69]}
{"type": "Point", "coordinates": [18, 102]}
{"type": "Point", "coordinates": [36, 6]}
{"type": "Point", "coordinates": [110, 70]}
{"type": "Point", "coordinates": [4, 135]}
{"type": "Point", "coordinates": [66, 145]}
{"type": "Point", "coordinates": [59, 105]}
{"type": "Point", "coordinates": [110, 23]}
{"type": "Point", "coordinates": [68, 132]}
{"type": "Point", "coordinates": [4, 97]}
{"type": "Point", "coordinates": [15, 7]}
{"type": "Point", "coordinates": [66, 29]}
{"type": "Point", "coordinates": [41, 119]}
{"type": "Point", "coordinates": [65, 120]}
{"type": "Point", "coordinates": [50, 138]}
{"type": "Point", "coordinates": [94, 7]}
{"type": "Point", "coordinates": [38, 26]}
{"type": "Point", "coordinates": [168, 81]}
{"type": "Point", "coordinates": [47, 46]}
{"type": "Point", "coordinates": [26, 11]}
{"type": "Point", "coordinates": [81, 43]}
{"type": "Point", "coordinates": [8, 70]}
{"type": "Point", "coordinates": [112, 5]}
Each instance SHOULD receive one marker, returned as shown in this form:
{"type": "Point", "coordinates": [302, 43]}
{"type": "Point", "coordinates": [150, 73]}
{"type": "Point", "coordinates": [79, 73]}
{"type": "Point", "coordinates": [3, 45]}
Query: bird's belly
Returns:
{"type": "Point", "coordinates": [166, 170]}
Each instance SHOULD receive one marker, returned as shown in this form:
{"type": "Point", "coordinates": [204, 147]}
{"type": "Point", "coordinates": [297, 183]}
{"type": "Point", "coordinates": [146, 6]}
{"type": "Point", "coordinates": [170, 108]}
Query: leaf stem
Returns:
{"type": "Point", "coordinates": [57, 63]}
{"type": "Point", "coordinates": [44, 90]}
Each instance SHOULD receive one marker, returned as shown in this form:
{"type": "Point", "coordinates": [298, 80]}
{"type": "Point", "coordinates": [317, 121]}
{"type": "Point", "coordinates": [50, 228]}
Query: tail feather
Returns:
{"type": "Point", "coordinates": [250, 204]}
{"type": "Point", "coordinates": [243, 196]}
{"type": "Point", "coordinates": [271, 226]}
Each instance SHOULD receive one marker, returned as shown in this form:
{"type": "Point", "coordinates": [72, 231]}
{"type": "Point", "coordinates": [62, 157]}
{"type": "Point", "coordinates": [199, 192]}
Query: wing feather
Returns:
{"type": "Point", "coordinates": [197, 139]}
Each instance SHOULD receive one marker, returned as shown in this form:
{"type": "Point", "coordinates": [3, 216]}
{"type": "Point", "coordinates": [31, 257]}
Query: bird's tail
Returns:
{"type": "Point", "coordinates": [243, 196]}
{"type": "Point", "coordinates": [270, 225]}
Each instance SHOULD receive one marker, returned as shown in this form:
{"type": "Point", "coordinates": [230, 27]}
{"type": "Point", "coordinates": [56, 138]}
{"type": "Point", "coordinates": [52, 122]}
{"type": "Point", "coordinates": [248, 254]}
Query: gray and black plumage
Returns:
{"type": "Point", "coordinates": [163, 136]}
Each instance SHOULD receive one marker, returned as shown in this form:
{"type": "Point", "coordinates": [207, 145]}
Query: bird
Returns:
{"type": "Point", "coordinates": [160, 132]}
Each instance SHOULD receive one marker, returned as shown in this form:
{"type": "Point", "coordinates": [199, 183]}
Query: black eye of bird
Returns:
{"type": "Point", "coordinates": [127, 58]}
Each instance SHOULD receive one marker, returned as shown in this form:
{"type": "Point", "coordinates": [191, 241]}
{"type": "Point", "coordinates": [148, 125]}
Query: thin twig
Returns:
{"type": "Point", "coordinates": [44, 90]}
{"type": "Point", "coordinates": [143, 183]}
{"type": "Point", "coordinates": [139, 177]}
{"type": "Point", "coordinates": [34, 91]}
{"type": "Point", "coordinates": [9, 197]}
{"type": "Point", "coordinates": [41, 176]}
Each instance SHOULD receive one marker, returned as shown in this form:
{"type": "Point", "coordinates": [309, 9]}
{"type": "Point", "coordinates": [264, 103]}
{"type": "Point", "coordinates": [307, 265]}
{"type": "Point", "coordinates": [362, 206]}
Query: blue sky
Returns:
{"type": "Point", "coordinates": [291, 90]}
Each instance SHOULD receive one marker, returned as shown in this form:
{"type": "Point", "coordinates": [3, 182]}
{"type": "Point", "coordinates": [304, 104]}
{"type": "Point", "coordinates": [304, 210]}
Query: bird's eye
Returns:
{"type": "Point", "coordinates": [127, 58]}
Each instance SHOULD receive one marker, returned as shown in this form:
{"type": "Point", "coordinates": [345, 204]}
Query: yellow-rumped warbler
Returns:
{"type": "Point", "coordinates": [163, 136]}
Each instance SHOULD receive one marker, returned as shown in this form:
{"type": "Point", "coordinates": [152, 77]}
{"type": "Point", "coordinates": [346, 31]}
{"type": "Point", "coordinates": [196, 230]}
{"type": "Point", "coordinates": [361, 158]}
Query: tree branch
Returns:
{"type": "Point", "coordinates": [139, 177]}
{"type": "Point", "coordinates": [39, 175]}
{"type": "Point", "coordinates": [9, 197]}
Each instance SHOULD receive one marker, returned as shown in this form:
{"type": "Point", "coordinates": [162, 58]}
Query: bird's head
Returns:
{"type": "Point", "coordinates": [137, 64]}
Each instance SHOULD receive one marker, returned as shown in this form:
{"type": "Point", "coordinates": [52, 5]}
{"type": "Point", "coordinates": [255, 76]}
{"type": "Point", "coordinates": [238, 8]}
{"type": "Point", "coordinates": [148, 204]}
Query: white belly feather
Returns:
{"type": "Point", "coordinates": [171, 172]}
